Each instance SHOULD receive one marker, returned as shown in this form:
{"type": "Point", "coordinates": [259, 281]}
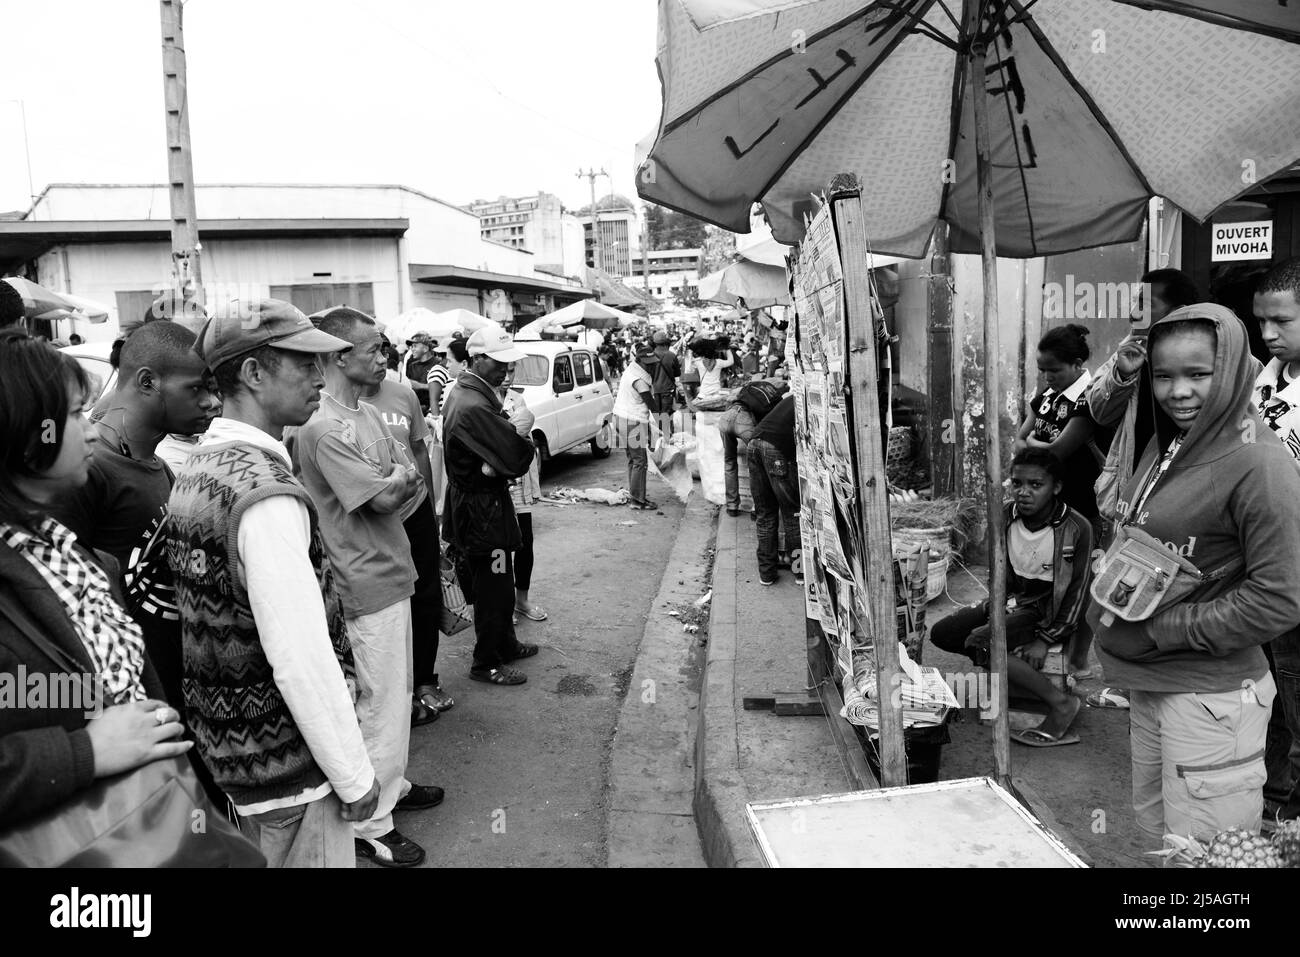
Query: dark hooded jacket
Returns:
{"type": "Point", "coordinates": [1228, 498]}
{"type": "Point", "coordinates": [480, 517]}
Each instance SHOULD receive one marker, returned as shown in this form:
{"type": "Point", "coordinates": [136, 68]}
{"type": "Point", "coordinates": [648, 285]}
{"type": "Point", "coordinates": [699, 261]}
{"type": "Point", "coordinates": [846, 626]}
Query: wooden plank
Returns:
{"type": "Point", "coordinates": [943, 431]}
{"type": "Point", "coordinates": [759, 702]}
{"type": "Point", "coordinates": [873, 490]}
{"type": "Point", "coordinates": [798, 704]}
{"type": "Point", "coordinates": [992, 408]}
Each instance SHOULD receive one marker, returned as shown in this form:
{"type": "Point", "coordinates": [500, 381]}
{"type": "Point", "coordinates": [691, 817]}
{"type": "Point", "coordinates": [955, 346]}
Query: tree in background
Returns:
{"type": "Point", "coordinates": [669, 229]}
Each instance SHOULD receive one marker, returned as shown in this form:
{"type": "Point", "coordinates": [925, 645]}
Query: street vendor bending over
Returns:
{"type": "Point", "coordinates": [1048, 571]}
{"type": "Point", "coordinates": [483, 452]}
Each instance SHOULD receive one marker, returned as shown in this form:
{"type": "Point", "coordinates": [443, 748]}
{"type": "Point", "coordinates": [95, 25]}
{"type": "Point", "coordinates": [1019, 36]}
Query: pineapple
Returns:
{"type": "Point", "coordinates": [1238, 848]}
{"type": "Point", "coordinates": [1287, 841]}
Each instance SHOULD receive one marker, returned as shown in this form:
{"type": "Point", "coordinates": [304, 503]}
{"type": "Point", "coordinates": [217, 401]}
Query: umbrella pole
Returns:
{"type": "Point", "coordinates": [992, 420]}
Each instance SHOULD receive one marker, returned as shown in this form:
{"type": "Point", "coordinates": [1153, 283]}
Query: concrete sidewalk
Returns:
{"type": "Point", "coordinates": [756, 647]}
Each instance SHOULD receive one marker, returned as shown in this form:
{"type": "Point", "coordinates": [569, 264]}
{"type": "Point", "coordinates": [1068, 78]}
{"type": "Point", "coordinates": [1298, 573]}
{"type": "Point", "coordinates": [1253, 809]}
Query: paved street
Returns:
{"type": "Point", "coordinates": [526, 768]}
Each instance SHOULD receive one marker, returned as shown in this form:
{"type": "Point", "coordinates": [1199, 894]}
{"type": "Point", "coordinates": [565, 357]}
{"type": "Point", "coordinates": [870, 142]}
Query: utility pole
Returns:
{"type": "Point", "coordinates": [187, 279]}
{"type": "Point", "coordinates": [590, 177]}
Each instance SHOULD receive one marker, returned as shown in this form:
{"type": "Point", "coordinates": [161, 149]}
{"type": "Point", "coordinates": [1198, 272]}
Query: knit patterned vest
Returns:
{"type": "Point", "coordinates": [242, 727]}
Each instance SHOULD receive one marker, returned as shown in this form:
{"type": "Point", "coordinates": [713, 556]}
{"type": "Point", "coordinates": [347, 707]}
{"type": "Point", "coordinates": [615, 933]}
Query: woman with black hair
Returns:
{"type": "Point", "coordinates": [60, 619]}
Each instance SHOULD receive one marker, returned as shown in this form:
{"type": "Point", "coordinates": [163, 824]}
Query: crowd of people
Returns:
{"type": "Point", "coordinates": [244, 540]}
{"type": "Point", "coordinates": [240, 541]}
{"type": "Point", "coordinates": [1153, 510]}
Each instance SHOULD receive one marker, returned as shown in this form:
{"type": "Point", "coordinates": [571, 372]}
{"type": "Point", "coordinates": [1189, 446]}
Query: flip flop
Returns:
{"type": "Point", "coordinates": [1113, 698]}
{"type": "Point", "coordinates": [1035, 738]}
{"type": "Point", "coordinates": [538, 613]}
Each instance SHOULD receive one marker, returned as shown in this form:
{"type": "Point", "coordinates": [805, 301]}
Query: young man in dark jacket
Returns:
{"type": "Point", "coordinates": [482, 452]}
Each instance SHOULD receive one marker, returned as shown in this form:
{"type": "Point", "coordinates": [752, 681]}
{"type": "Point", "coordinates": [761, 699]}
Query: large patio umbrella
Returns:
{"type": "Point", "coordinates": [1029, 127]}
{"type": "Point", "coordinates": [42, 303]}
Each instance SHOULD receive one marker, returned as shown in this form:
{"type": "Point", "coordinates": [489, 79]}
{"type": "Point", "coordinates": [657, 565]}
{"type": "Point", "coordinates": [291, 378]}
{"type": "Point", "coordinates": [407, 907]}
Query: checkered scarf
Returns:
{"type": "Point", "coordinates": [113, 641]}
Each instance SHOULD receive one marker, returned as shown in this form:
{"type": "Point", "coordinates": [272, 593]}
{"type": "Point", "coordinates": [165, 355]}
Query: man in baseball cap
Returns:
{"type": "Point", "coordinates": [254, 587]}
{"type": "Point", "coordinates": [483, 452]}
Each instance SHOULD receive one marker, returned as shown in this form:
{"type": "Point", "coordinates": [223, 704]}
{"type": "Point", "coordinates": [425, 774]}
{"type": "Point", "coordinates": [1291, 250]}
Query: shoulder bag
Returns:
{"type": "Point", "coordinates": [154, 816]}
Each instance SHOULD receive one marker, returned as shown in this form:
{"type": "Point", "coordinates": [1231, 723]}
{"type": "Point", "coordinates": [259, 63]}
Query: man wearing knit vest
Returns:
{"type": "Point", "coordinates": [365, 486]}
{"type": "Point", "coordinates": [266, 661]}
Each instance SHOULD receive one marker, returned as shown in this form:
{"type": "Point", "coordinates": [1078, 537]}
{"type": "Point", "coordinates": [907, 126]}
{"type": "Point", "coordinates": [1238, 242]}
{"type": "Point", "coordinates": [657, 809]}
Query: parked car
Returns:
{"type": "Point", "coordinates": [93, 357]}
{"type": "Point", "coordinates": [567, 388]}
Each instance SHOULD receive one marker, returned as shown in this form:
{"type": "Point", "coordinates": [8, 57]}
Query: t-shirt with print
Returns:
{"type": "Point", "coordinates": [120, 510]}
{"type": "Point", "coordinates": [1053, 411]}
{"type": "Point", "coordinates": [400, 410]}
{"type": "Point", "coordinates": [343, 456]}
{"type": "Point", "coordinates": [629, 404]}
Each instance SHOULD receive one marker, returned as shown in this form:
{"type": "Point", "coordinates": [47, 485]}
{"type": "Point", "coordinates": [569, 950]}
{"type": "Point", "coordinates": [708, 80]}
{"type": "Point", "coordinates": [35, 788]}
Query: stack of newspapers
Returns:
{"type": "Point", "coordinates": [922, 692]}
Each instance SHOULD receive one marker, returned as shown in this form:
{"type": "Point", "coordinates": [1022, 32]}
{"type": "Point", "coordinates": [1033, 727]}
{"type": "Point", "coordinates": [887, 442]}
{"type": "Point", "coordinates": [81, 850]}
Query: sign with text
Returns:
{"type": "Point", "coordinates": [1232, 242]}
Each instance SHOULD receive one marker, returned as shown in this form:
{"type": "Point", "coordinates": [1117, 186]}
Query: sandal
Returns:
{"type": "Point", "coordinates": [523, 650]}
{"type": "Point", "coordinates": [536, 613]}
{"type": "Point", "coordinates": [498, 676]}
{"type": "Point", "coordinates": [1037, 738]}
{"type": "Point", "coordinates": [422, 714]}
{"type": "Point", "coordinates": [1113, 698]}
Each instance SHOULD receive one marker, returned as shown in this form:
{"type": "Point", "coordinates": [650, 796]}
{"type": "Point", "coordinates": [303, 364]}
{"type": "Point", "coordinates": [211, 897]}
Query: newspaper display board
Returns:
{"type": "Point", "coordinates": [830, 522]}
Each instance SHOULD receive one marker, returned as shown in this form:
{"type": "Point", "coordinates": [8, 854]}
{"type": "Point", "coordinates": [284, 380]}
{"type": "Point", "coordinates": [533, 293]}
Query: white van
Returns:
{"type": "Point", "coordinates": [566, 387]}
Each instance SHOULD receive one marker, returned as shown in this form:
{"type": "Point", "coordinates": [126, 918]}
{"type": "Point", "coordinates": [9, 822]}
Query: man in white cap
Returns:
{"type": "Point", "coordinates": [483, 450]}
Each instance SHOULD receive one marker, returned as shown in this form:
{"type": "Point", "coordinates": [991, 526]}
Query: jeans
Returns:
{"type": "Point", "coordinates": [664, 403]}
{"type": "Point", "coordinates": [635, 438]}
{"type": "Point", "coordinates": [736, 425]}
{"type": "Point", "coordinates": [305, 835]}
{"type": "Point", "coordinates": [1282, 751]}
{"type": "Point", "coordinates": [1198, 760]}
{"type": "Point", "coordinates": [494, 605]}
{"type": "Point", "coordinates": [381, 645]}
{"type": "Point", "coordinates": [966, 630]}
{"type": "Point", "coordinates": [774, 482]}
{"type": "Point", "coordinates": [426, 603]}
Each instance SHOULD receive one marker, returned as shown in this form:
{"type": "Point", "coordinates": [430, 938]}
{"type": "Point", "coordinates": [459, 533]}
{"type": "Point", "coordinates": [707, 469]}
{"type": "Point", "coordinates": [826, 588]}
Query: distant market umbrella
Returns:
{"type": "Point", "coordinates": [1029, 128]}
{"type": "Point", "coordinates": [1094, 107]}
{"type": "Point", "coordinates": [758, 285]}
{"type": "Point", "coordinates": [42, 303]}
{"type": "Point", "coordinates": [589, 313]}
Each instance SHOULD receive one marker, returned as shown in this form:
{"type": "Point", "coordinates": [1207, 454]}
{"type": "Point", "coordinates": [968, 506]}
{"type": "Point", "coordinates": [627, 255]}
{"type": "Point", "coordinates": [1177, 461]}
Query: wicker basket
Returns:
{"type": "Point", "coordinates": [937, 579]}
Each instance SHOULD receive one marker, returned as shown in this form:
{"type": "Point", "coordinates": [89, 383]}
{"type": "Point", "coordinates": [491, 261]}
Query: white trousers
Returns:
{"type": "Point", "coordinates": [381, 645]}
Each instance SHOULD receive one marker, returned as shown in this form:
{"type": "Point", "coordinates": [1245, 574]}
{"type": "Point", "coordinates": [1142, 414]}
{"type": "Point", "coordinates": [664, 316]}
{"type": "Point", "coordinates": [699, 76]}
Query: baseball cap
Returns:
{"type": "Point", "coordinates": [661, 338]}
{"type": "Point", "coordinates": [495, 343]}
{"type": "Point", "coordinates": [246, 325]}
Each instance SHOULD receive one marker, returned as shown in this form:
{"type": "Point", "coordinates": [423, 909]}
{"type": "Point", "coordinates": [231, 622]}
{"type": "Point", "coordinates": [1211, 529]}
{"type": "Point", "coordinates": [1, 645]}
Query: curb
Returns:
{"type": "Point", "coordinates": [651, 777]}
{"type": "Point", "coordinates": [720, 791]}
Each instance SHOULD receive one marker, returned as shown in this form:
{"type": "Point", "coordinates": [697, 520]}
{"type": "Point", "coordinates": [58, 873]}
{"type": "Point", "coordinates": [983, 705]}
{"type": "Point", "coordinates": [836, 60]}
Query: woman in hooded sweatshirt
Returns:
{"type": "Point", "coordinates": [1215, 486]}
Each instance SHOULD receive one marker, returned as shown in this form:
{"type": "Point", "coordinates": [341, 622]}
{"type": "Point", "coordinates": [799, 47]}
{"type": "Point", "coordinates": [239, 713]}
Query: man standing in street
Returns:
{"type": "Point", "coordinates": [1277, 397]}
{"type": "Point", "coordinates": [667, 369]}
{"type": "Point", "coordinates": [774, 484]}
{"type": "Point", "coordinates": [1119, 397]}
{"type": "Point", "coordinates": [364, 487]}
{"type": "Point", "coordinates": [266, 656]}
{"type": "Point", "coordinates": [420, 361]}
{"type": "Point", "coordinates": [483, 452]}
{"type": "Point", "coordinates": [634, 406]}
{"type": "Point", "coordinates": [400, 410]}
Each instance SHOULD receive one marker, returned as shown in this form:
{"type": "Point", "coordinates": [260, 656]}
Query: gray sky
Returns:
{"type": "Point", "coordinates": [463, 100]}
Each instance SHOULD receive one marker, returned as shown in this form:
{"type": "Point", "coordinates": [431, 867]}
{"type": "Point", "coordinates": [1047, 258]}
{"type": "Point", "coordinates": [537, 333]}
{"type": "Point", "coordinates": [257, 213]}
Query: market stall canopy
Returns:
{"type": "Point", "coordinates": [42, 303]}
{"type": "Point", "coordinates": [593, 315]}
{"type": "Point", "coordinates": [419, 319]}
{"type": "Point", "coordinates": [759, 285]}
{"type": "Point", "coordinates": [1096, 105]}
{"type": "Point", "coordinates": [612, 292]}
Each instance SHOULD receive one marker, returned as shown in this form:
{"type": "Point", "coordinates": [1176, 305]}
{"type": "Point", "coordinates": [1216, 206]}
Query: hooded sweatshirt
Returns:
{"type": "Point", "coordinates": [1229, 494]}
